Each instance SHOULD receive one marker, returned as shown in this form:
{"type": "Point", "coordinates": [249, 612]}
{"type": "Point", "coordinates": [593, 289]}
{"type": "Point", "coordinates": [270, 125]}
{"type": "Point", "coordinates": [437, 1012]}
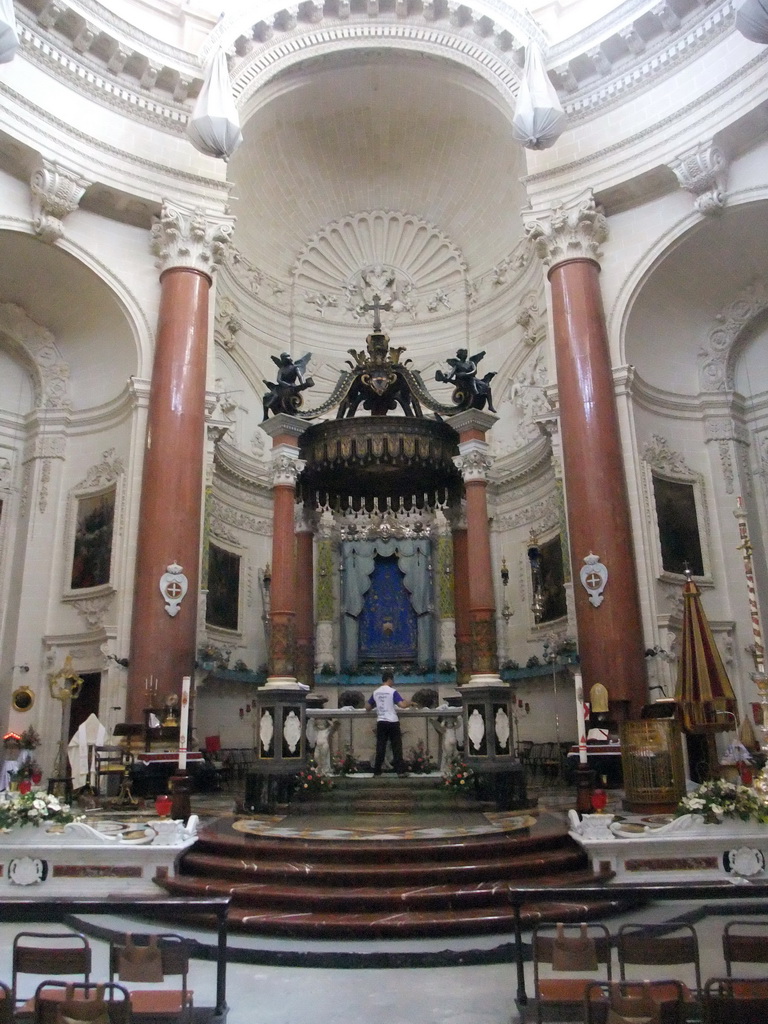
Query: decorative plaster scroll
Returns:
{"type": "Point", "coordinates": [182, 237]}
{"type": "Point", "coordinates": [541, 514]}
{"type": "Point", "coordinates": [93, 609]}
{"type": "Point", "coordinates": [37, 346]}
{"type": "Point", "coordinates": [716, 359]}
{"type": "Point", "coordinates": [728, 435]}
{"type": "Point", "coordinates": [528, 395]}
{"type": "Point", "coordinates": [103, 473]}
{"type": "Point", "coordinates": [6, 472]}
{"type": "Point", "coordinates": [55, 193]}
{"type": "Point", "coordinates": [218, 530]}
{"type": "Point", "coordinates": [660, 456]}
{"type": "Point", "coordinates": [412, 266]}
{"type": "Point", "coordinates": [227, 324]}
{"type": "Point", "coordinates": [531, 319]}
{"type": "Point", "coordinates": [570, 232]}
{"type": "Point", "coordinates": [222, 513]}
{"type": "Point", "coordinates": [703, 171]}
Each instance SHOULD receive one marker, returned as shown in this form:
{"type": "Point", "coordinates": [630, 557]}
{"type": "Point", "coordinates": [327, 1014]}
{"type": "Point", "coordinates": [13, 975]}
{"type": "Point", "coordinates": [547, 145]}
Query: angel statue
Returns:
{"type": "Point", "coordinates": [283, 394]}
{"type": "Point", "coordinates": [470, 391]}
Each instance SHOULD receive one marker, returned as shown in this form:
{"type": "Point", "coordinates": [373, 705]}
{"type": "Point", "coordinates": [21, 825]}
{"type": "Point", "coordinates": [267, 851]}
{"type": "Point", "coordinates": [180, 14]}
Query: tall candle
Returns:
{"type": "Point", "coordinates": [184, 722]}
{"type": "Point", "coordinates": [580, 717]}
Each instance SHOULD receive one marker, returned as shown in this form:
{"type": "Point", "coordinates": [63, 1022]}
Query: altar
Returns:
{"type": "Point", "coordinates": [81, 859]}
{"type": "Point", "coordinates": [655, 849]}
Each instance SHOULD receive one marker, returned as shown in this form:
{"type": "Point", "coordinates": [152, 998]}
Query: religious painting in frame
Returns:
{"type": "Point", "coordinates": [222, 608]}
{"type": "Point", "coordinates": [91, 564]}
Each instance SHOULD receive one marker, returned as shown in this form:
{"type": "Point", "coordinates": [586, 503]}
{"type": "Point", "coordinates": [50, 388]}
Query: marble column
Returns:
{"type": "Point", "coordinates": [463, 630]}
{"type": "Point", "coordinates": [164, 622]}
{"type": "Point", "coordinates": [286, 467]}
{"type": "Point", "coordinates": [474, 465]}
{"type": "Point", "coordinates": [306, 524]}
{"type": "Point", "coordinates": [608, 616]}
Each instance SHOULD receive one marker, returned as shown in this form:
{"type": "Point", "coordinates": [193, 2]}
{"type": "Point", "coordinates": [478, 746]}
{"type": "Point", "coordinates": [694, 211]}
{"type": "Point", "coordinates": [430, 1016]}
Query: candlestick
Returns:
{"type": "Point", "coordinates": [184, 722]}
{"type": "Point", "coordinates": [754, 610]}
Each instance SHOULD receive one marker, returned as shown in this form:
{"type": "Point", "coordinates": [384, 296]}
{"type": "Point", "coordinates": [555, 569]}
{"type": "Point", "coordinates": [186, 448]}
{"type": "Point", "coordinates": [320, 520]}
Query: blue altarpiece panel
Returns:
{"type": "Point", "coordinates": [388, 627]}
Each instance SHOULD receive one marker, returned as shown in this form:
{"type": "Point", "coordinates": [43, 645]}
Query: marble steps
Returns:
{"type": "Point", "coordinates": [315, 888]}
{"type": "Point", "coordinates": [414, 872]}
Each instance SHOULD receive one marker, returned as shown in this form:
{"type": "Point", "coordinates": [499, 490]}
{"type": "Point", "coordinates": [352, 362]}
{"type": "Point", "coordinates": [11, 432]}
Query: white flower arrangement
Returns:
{"type": "Point", "coordinates": [33, 808]}
{"type": "Point", "coordinates": [716, 799]}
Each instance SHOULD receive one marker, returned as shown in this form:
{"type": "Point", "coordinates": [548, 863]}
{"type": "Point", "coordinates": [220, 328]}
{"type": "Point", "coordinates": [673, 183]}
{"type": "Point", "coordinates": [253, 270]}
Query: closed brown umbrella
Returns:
{"type": "Point", "coordinates": [704, 692]}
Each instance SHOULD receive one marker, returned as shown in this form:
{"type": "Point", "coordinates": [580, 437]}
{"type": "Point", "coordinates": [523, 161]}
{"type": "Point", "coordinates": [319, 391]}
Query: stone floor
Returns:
{"type": "Point", "coordinates": [468, 992]}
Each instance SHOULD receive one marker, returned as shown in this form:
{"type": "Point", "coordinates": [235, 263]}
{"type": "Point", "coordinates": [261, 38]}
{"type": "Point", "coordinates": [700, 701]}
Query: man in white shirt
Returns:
{"type": "Point", "coordinates": [386, 700]}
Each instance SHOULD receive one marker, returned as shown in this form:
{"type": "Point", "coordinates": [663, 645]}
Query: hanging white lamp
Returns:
{"type": "Point", "coordinates": [214, 127]}
{"type": "Point", "coordinates": [752, 20]}
{"type": "Point", "coordinates": [539, 118]}
{"type": "Point", "coordinates": [9, 36]}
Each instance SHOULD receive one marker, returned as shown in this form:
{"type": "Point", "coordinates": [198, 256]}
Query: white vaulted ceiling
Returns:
{"type": "Point", "coordinates": [376, 130]}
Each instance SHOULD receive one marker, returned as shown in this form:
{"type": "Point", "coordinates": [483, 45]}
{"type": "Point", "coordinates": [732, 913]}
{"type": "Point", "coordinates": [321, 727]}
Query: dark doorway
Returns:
{"type": "Point", "coordinates": [87, 703]}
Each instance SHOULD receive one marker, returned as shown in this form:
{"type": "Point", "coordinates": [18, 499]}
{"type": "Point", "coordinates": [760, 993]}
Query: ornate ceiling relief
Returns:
{"type": "Point", "coordinates": [716, 357]}
{"type": "Point", "coordinates": [49, 371]}
{"type": "Point", "coordinates": [413, 268]}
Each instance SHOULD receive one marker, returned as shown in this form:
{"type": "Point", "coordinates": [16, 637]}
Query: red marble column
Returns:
{"type": "Point", "coordinates": [610, 634]}
{"type": "Point", "coordinates": [286, 467]}
{"type": "Point", "coordinates": [305, 602]}
{"type": "Point", "coordinates": [163, 644]}
{"type": "Point", "coordinates": [462, 626]}
{"type": "Point", "coordinates": [187, 244]}
{"type": "Point", "coordinates": [474, 465]}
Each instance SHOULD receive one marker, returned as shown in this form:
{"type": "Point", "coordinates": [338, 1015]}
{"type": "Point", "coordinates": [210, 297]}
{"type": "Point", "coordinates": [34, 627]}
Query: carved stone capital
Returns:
{"type": "Point", "coordinates": [703, 171]}
{"type": "Point", "coordinates": [286, 467]}
{"type": "Point", "coordinates": [55, 193]}
{"type": "Point", "coordinates": [570, 232]}
{"type": "Point", "coordinates": [473, 464]}
{"type": "Point", "coordinates": [306, 520]}
{"type": "Point", "coordinates": [190, 238]}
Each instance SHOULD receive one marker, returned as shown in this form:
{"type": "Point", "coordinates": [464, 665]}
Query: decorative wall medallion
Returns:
{"type": "Point", "coordinates": [27, 871]}
{"type": "Point", "coordinates": [476, 729]}
{"type": "Point", "coordinates": [501, 725]}
{"type": "Point", "coordinates": [266, 732]}
{"type": "Point", "coordinates": [594, 577]}
{"type": "Point", "coordinates": [173, 586]}
{"type": "Point", "coordinates": [745, 861]}
{"type": "Point", "coordinates": [292, 732]}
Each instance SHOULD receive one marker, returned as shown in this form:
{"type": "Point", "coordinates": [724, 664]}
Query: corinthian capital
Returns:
{"type": "Point", "coordinates": [190, 238]}
{"type": "Point", "coordinates": [55, 193]}
{"type": "Point", "coordinates": [473, 464]}
{"type": "Point", "coordinates": [703, 171]}
{"type": "Point", "coordinates": [286, 468]}
{"type": "Point", "coordinates": [572, 232]}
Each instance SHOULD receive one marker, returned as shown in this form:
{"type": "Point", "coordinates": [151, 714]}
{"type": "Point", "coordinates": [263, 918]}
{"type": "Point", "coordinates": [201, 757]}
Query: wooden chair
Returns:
{"type": "Point", "coordinates": [661, 945]}
{"type": "Point", "coordinates": [7, 1008]}
{"type": "Point", "coordinates": [48, 955]}
{"type": "Point", "coordinates": [745, 942]}
{"type": "Point", "coordinates": [736, 1001]}
{"type": "Point", "coordinates": [629, 1002]}
{"type": "Point", "coordinates": [61, 1002]}
{"type": "Point", "coordinates": [566, 959]}
{"type": "Point", "coordinates": [153, 999]}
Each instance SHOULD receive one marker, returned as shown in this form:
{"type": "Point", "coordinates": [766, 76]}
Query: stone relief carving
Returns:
{"type": "Point", "coordinates": [576, 230]}
{"type": "Point", "coordinates": [227, 324]}
{"type": "Point", "coordinates": [50, 373]}
{"type": "Point", "coordinates": [531, 319]}
{"type": "Point", "coordinates": [103, 473]}
{"type": "Point", "coordinates": [93, 609]}
{"type": "Point", "coordinates": [542, 514]}
{"type": "Point", "coordinates": [528, 395]}
{"type": "Point", "coordinates": [220, 531]}
{"type": "Point", "coordinates": [43, 449]}
{"type": "Point", "coordinates": [703, 171]}
{"type": "Point", "coordinates": [221, 513]}
{"type": "Point", "coordinates": [6, 473]}
{"type": "Point", "coordinates": [660, 456]}
{"type": "Point", "coordinates": [55, 193]}
{"type": "Point", "coordinates": [732, 442]}
{"type": "Point", "coordinates": [716, 357]}
{"type": "Point", "coordinates": [190, 238]}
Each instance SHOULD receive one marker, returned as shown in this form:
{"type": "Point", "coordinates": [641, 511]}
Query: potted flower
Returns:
{"type": "Point", "coordinates": [457, 776]}
{"type": "Point", "coordinates": [311, 780]}
{"type": "Point", "coordinates": [716, 799]}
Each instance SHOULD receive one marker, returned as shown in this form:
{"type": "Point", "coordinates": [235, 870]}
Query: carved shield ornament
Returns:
{"type": "Point", "coordinates": [173, 586]}
{"type": "Point", "coordinates": [594, 577]}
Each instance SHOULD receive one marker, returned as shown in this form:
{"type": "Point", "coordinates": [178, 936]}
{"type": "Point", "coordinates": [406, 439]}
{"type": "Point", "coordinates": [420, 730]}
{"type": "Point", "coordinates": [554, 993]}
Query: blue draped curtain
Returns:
{"type": "Point", "coordinates": [359, 560]}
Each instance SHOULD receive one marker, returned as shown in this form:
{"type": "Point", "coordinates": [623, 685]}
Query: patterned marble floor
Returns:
{"type": "Point", "coordinates": [439, 827]}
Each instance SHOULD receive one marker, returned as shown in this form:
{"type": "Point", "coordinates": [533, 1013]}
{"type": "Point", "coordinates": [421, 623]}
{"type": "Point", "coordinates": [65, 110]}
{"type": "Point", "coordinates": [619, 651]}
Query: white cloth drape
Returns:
{"type": "Point", "coordinates": [214, 127]}
{"type": "Point", "coordinates": [539, 118]}
{"type": "Point", "coordinates": [752, 20]}
{"type": "Point", "coordinates": [9, 36]}
{"type": "Point", "coordinates": [89, 735]}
